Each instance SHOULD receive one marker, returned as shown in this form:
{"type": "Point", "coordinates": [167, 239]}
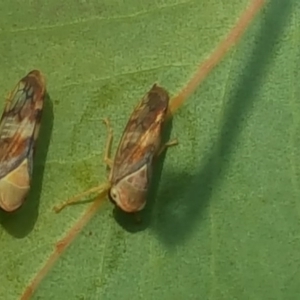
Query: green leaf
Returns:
{"type": "Point", "coordinates": [223, 221]}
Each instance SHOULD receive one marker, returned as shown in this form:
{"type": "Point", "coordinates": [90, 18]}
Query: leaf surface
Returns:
{"type": "Point", "coordinates": [223, 222]}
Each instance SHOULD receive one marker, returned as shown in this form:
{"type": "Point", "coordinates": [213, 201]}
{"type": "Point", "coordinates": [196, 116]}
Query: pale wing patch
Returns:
{"type": "Point", "coordinates": [139, 180]}
{"type": "Point", "coordinates": [14, 187]}
{"type": "Point", "coordinates": [132, 190]}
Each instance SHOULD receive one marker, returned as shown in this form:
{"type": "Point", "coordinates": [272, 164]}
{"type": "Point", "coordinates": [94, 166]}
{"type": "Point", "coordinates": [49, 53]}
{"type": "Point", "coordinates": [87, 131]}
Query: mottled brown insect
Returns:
{"type": "Point", "coordinates": [131, 169]}
{"type": "Point", "coordinates": [19, 128]}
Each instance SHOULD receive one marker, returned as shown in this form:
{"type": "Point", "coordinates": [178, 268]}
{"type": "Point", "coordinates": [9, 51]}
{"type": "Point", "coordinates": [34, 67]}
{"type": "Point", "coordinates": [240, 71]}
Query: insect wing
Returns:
{"type": "Point", "coordinates": [19, 128]}
{"type": "Point", "coordinates": [142, 135]}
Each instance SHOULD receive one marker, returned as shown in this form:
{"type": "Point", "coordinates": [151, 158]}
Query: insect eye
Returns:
{"type": "Point", "coordinates": [113, 196]}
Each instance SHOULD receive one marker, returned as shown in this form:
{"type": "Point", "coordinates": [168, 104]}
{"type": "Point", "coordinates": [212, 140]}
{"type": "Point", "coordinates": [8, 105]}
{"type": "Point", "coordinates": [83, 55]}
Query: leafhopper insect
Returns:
{"type": "Point", "coordinates": [19, 128]}
{"type": "Point", "coordinates": [131, 168]}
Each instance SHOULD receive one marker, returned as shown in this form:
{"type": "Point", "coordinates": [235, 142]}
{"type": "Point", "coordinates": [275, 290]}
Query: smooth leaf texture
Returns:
{"type": "Point", "coordinates": [223, 222]}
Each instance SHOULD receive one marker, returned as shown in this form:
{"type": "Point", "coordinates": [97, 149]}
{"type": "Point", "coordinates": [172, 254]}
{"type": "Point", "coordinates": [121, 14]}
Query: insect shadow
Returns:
{"type": "Point", "coordinates": [20, 222]}
{"type": "Point", "coordinates": [184, 199]}
{"type": "Point", "coordinates": [142, 220]}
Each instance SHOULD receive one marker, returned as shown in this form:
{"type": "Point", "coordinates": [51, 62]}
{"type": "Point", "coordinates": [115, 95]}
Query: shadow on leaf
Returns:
{"type": "Point", "coordinates": [20, 222]}
{"type": "Point", "coordinates": [181, 203]}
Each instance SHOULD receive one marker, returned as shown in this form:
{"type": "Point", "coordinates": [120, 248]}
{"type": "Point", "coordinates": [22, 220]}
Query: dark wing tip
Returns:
{"type": "Point", "coordinates": [35, 72]}
{"type": "Point", "coordinates": [37, 75]}
{"type": "Point", "coordinates": [160, 91]}
{"type": "Point", "coordinates": [36, 78]}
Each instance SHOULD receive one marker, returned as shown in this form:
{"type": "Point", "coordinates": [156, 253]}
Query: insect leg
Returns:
{"type": "Point", "coordinates": [166, 145]}
{"type": "Point", "coordinates": [98, 189]}
{"type": "Point", "coordinates": [107, 160]}
{"type": "Point", "coordinates": [102, 189]}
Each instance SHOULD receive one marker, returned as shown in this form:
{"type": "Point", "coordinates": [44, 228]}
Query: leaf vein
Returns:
{"type": "Point", "coordinates": [96, 18]}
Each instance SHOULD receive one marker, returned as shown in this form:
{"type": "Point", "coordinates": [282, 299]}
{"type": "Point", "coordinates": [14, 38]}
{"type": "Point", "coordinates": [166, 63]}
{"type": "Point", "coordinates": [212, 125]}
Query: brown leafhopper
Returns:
{"type": "Point", "coordinates": [19, 128]}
